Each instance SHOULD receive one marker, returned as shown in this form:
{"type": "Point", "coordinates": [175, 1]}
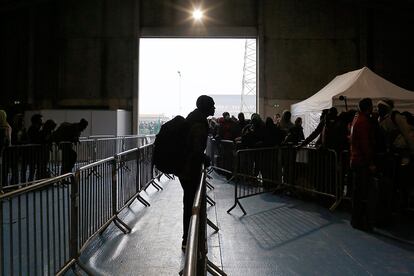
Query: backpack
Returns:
{"type": "Point", "coordinates": [169, 146]}
{"type": "Point", "coordinates": [66, 132]}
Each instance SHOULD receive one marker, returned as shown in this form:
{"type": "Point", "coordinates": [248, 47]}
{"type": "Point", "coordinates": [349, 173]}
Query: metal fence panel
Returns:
{"type": "Point", "coordinates": [257, 170]}
{"type": "Point", "coordinates": [95, 199]}
{"type": "Point", "coordinates": [34, 230]}
{"type": "Point", "coordinates": [146, 172]}
{"type": "Point", "coordinates": [127, 176]}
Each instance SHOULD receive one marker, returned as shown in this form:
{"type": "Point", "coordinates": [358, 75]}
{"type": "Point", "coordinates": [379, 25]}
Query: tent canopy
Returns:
{"type": "Point", "coordinates": [354, 86]}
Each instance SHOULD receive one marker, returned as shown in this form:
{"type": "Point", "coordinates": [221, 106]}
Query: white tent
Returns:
{"type": "Point", "coordinates": [354, 86]}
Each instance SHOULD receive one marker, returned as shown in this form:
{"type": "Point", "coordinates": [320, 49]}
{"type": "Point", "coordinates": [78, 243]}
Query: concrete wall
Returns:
{"type": "Point", "coordinates": [84, 54]}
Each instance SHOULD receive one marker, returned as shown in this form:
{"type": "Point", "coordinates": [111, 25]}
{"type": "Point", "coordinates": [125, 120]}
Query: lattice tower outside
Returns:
{"type": "Point", "coordinates": [249, 75]}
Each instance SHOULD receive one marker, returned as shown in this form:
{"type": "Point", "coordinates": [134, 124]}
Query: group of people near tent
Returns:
{"type": "Point", "coordinates": [255, 132]}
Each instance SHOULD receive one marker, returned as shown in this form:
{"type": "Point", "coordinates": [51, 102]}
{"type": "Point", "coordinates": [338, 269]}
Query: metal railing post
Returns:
{"type": "Point", "coordinates": [114, 182]}
{"type": "Point", "coordinates": [74, 219]}
{"type": "Point", "coordinates": [138, 175]}
{"type": "Point", "coordinates": [1, 239]}
{"type": "Point", "coordinates": [202, 236]}
{"type": "Point", "coordinates": [1, 172]}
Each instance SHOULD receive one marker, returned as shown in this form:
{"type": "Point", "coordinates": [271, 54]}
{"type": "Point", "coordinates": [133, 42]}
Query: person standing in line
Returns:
{"type": "Point", "coordinates": [362, 152]}
{"type": "Point", "coordinates": [5, 131]}
{"type": "Point", "coordinates": [46, 142]}
{"type": "Point", "coordinates": [5, 141]}
{"type": "Point", "coordinates": [67, 134]}
{"type": "Point", "coordinates": [29, 157]}
{"type": "Point", "coordinates": [33, 132]}
{"type": "Point", "coordinates": [190, 175]}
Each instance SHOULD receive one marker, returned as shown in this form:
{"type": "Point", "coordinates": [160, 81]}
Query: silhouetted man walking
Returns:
{"type": "Point", "coordinates": [194, 156]}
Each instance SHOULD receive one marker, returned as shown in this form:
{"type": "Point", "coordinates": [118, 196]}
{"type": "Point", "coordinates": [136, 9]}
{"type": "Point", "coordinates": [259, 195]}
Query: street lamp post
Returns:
{"type": "Point", "coordinates": [179, 92]}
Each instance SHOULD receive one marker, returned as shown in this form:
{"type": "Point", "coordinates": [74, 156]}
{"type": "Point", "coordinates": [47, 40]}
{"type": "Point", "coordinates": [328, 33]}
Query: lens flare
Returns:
{"type": "Point", "coordinates": [197, 14]}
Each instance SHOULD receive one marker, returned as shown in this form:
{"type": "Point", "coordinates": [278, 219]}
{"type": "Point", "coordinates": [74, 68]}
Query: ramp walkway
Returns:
{"type": "Point", "coordinates": [279, 235]}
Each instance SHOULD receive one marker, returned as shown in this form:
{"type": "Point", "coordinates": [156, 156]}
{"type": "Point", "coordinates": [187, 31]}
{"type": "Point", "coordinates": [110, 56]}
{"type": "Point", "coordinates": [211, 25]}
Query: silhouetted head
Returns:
{"type": "Point", "coordinates": [49, 125]}
{"type": "Point", "coordinates": [36, 119]}
{"type": "Point", "coordinates": [226, 115]}
{"type": "Point", "coordinates": [333, 112]}
{"type": "Point", "coordinates": [286, 115]}
{"type": "Point", "coordinates": [241, 117]}
{"type": "Point", "coordinates": [385, 106]}
{"type": "Point", "coordinates": [255, 119]}
{"type": "Point", "coordinates": [269, 122]}
{"type": "Point", "coordinates": [365, 105]}
{"type": "Point", "coordinates": [206, 105]}
{"type": "Point", "coordinates": [83, 124]}
{"type": "Point", "coordinates": [298, 121]}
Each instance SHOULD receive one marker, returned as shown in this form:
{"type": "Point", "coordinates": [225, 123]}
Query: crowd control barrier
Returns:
{"type": "Point", "coordinates": [261, 170]}
{"type": "Point", "coordinates": [35, 228]}
{"type": "Point", "coordinates": [256, 171]}
{"type": "Point", "coordinates": [221, 154]}
{"type": "Point", "coordinates": [27, 163]}
{"type": "Point", "coordinates": [319, 171]}
{"type": "Point", "coordinates": [313, 170]}
{"type": "Point", "coordinates": [45, 227]}
{"type": "Point", "coordinates": [196, 261]}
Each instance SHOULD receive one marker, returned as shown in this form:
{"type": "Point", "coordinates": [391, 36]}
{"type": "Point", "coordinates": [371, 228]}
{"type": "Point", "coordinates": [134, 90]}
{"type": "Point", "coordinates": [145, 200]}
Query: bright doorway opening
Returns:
{"type": "Point", "coordinates": [174, 72]}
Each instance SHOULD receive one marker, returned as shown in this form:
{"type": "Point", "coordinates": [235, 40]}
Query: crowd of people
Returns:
{"type": "Point", "coordinates": [375, 147]}
{"type": "Point", "coordinates": [381, 162]}
{"type": "Point", "coordinates": [25, 163]}
{"type": "Point", "coordinates": [379, 144]}
{"type": "Point", "coordinates": [254, 132]}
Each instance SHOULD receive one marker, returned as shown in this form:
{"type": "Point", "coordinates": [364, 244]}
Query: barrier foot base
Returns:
{"type": "Point", "coordinates": [143, 201]}
{"type": "Point", "coordinates": [82, 267]}
{"type": "Point", "coordinates": [169, 176]}
{"type": "Point", "coordinates": [212, 225]}
{"type": "Point", "coordinates": [214, 270]}
{"type": "Point", "coordinates": [122, 225]}
{"type": "Point", "coordinates": [155, 184]}
{"type": "Point", "coordinates": [335, 205]}
{"type": "Point", "coordinates": [234, 206]}
{"type": "Point", "coordinates": [211, 187]}
{"type": "Point", "coordinates": [210, 200]}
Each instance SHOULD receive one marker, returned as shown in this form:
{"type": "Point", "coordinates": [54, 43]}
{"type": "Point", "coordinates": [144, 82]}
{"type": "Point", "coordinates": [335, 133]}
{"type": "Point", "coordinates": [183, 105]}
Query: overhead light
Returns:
{"type": "Point", "coordinates": [197, 14]}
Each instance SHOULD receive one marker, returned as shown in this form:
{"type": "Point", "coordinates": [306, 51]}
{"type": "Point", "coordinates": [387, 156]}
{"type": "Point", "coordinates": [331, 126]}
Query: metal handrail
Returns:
{"type": "Point", "coordinates": [190, 263]}
{"type": "Point", "coordinates": [35, 186]}
{"type": "Point", "coordinates": [129, 151]}
{"type": "Point", "coordinates": [94, 164]}
{"type": "Point", "coordinates": [79, 235]}
{"type": "Point", "coordinates": [191, 256]}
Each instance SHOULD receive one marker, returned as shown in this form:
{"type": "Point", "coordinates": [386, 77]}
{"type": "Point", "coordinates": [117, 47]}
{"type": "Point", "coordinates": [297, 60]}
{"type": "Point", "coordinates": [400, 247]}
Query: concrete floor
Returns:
{"type": "Point", "coordinates": [279, 236]}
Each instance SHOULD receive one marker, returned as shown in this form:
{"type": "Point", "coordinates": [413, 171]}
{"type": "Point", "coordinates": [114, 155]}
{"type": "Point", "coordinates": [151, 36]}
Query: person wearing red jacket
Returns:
{"type": "Point", "coordinates": [362, 154]}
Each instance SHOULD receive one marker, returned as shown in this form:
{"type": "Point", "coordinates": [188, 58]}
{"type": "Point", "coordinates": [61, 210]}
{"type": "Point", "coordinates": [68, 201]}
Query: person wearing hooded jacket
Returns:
{"type": "Point", "coordinates": [5, 141]}
{"type": "Point", "coordinates": [190, 174]}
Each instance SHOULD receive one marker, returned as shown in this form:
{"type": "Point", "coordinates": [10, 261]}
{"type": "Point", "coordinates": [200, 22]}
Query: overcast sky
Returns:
{"type": "Point", "coordinates": [207, 66]}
